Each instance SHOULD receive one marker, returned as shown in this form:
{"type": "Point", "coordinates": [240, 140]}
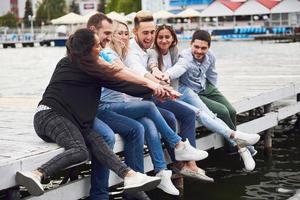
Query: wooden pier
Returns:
{"type": "Point", "coordinates": [27, 151]}
{"type": "Point", "coordinates": [279, 38]}
{"type": "Point", "coordinates": [59, 42]}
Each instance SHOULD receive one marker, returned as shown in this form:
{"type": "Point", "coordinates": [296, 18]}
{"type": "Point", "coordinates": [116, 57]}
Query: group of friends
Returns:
{"type": "Point", "coordinates": [143, 89]}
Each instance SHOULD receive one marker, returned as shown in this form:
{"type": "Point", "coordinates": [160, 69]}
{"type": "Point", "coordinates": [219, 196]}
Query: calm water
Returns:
{"type": "Point", "coordinates": [25, 72]}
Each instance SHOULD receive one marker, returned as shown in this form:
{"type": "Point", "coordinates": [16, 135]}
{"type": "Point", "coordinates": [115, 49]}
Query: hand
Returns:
{"type": "Point", "coordinates": [173, 94]}
{"type": "Point", "coordinates": [166, 78]}
{"type": "Point", "coordinates": [157, 73]}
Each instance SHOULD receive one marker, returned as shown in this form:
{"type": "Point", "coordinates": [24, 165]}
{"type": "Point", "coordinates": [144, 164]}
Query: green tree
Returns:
{"type": "Point", "coordinates": [101, 6]}
{"type": "Point", "coordinates": [74, 7]}
{"type": "Point", "coordinates": [9, 20]}
{"type": "Point", "coordinates": [50, 9]}
{"type": "Point", "coordinates": [28, 12]}
{"type": "Point", "coordinates": [125, 6]}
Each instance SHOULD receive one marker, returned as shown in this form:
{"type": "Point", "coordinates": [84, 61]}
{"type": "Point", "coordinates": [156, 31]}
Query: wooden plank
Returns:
{"type": "Point", "coordinates": [80, 188]}
{"type": "Point", "coordinates": [260, 124]}
{"type": "Point", "coordinates": [264, 98]}
{"type": "Point", "coordinates": [73, 190]}
{"type": "Point", "coordinates": [10, 167]}
{"type": "Point", "coordinates": [288, 111]}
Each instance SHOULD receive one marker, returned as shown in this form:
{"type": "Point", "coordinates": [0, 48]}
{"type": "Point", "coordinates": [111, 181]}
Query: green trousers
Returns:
{"type": "Point", "coordinates": [219, 105]}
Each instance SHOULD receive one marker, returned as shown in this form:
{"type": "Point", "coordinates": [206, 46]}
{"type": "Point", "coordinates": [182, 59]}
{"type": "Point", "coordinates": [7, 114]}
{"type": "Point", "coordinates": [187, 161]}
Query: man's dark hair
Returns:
{"type": "Point", "coordinates": [201, 35]}
{"type": "Point", "coordinates": [96, 20]}
{"type": "Point", "coordinates": [142, 16]}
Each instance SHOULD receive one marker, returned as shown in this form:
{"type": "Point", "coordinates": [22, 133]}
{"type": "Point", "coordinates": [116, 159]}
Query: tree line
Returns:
{"type": "Point", "coordinates": [51, 9]}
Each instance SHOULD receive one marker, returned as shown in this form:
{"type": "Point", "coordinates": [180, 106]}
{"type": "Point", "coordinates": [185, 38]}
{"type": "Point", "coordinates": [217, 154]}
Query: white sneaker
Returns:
{"type": "Point", "coordinates": [166, 184]}
{"type": "Point", "coordinates": [189, 153]}
{"type": "Point", "coordinates": [140, 182]}
{"type": "Point", "coordinates": [251, 139]}
{"type": "Point", "coordinates": [247, 159]}
{"type": "Point", "coordinates": [31, 182]}
{"type": "Point", "coordinates": [200, 174]}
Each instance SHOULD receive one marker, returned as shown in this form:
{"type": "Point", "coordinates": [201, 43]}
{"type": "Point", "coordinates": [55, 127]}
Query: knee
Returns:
{"type": "Point", "coordinates": [232, 111]}
{"type": "Point", "coordinates": [150, 106]}
{"type": "Point", "coordinates": [189, 114]}
{"type": "Point", "coordinates": [223, 112]}
{"type": "Point", "coordinates": [110, 139]}
{"type": "Point", "coordinates": [81, 154]}
{"type": "Point", "coordinates": [137, 132]}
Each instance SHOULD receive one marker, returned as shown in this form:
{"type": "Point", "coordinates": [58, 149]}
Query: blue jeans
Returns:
{"type": "Point", "coordinates": [185, 116]}
{"type": "Point", "coordinates": [106, 124]}
{"type": "Point", "coordinates": [204, 115]}
{"type": "Point", "coordinates": [145, 112]}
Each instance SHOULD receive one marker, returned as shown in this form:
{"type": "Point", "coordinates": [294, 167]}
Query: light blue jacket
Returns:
{"type": "Point", "coordinates": [193, 73]}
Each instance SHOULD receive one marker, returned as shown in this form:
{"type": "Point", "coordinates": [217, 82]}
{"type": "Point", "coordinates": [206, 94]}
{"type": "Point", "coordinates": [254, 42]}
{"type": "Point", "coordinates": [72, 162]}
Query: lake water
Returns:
{"type": "Point", "coordinates": [25, 72]}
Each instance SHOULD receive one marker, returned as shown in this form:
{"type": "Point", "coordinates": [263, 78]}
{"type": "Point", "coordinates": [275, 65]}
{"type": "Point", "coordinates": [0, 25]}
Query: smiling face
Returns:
{"type": "Point", "coordinates": [144, 34]}
{"type": "Point", "coordinates": [199, 49]}
{"type": "Point", "coordinates": [164, 40]}
{"type": "Point", "coordinates": [121, 33]}
{"type": "Point", "coordinates": [104, 33]}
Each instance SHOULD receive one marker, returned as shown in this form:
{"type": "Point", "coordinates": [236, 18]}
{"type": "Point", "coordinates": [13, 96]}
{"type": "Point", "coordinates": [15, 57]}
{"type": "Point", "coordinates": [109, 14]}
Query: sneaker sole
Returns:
{"type": "Point", "coordinates": [32, 187]}
{"type": "Point", "coordinates": [145, 187]}
{"type": "Point", "coordinates": [198, 178]}
{"type": "Point", "coordinates": [178, 158]}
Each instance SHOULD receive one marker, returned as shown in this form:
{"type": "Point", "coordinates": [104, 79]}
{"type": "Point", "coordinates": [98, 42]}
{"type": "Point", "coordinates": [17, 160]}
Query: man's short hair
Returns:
{"type": "Point", "coordinates": [201, 35]}
{"type": "Point", "coordinates": [142, 16]}
{"type": "Point", "coordinates": [96, 20]}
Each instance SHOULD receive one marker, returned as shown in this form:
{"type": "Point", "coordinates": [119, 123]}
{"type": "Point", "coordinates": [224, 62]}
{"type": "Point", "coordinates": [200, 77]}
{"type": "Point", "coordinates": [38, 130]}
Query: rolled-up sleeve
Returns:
{"type": "Point", "coordinates": [153, 58]}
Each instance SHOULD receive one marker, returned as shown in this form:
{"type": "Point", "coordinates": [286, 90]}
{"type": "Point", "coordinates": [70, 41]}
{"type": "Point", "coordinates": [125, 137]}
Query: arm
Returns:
{"type": "Point", "coordinates": [153, 59]}
{"type": "Point", "coordinates": [211, 73]}
{"type": "Point", "coordinates": [178, 69]}
{"type": "Point", "coordinates": [136, 85]}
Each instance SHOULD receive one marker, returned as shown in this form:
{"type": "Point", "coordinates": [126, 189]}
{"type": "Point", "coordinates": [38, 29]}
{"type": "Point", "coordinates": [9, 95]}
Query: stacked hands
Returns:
{"type": "Point", "coordinates": [163, 91]}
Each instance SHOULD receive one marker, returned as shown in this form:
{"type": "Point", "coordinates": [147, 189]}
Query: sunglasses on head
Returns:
{"type": "Point", "coordinates": [164, 26]}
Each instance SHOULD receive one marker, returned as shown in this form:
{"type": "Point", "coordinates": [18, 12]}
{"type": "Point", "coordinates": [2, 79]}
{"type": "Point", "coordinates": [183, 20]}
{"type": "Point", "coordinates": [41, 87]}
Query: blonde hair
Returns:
{"type": "Point", "coordinates": [115, 43]}
{"type": "Point", "coordinates": [142, 16]}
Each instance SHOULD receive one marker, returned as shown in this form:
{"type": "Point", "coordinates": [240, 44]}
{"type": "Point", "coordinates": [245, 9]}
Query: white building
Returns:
{"type": "Point", "coordinates": [86, 6]}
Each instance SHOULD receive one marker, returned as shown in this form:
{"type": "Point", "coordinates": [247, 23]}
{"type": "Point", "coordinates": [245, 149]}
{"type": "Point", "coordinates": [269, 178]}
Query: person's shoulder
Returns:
{"type": "Point", "coordinates": [186, 53]}
{"type": "Point", "coordinates": [64, 61]}
{"type": "Point", "coordinates": [152, 51]}
{"type": "Point", "coordinates": [211, 55]}
{"type": "Point", "coordinates": [110, 52]}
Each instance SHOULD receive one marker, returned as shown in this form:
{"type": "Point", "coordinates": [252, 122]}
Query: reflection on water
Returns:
{"type": "Point", "coordinates": [275, 178]}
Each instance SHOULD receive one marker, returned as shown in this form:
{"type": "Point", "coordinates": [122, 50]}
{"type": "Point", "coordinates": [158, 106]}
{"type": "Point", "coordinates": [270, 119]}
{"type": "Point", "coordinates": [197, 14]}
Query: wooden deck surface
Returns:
{"type": "Point", "coordinates": [22, 149]}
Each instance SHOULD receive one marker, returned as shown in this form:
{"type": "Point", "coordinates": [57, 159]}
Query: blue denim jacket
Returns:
{"type": "Point", "coordinates": [193, 73]}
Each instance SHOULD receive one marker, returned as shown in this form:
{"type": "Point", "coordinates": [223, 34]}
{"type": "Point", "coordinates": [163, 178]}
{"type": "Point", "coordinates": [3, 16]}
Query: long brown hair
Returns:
{"type": "Point", "coordinates": [79, 51]}
{"type": "Point", "coordinates": [156, 47]}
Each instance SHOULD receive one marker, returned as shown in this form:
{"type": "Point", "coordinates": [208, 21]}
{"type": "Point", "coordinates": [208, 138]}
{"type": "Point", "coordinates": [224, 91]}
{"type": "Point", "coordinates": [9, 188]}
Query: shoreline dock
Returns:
{"type": "Point", "coordinates": [26, 152]}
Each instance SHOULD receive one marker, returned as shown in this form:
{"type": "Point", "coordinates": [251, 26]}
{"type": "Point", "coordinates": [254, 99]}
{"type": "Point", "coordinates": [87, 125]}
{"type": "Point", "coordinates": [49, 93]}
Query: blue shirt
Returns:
{"type": "Point", "coordinates": [193, 73]}
{"type": "Point", "coordinates": [107, 95]}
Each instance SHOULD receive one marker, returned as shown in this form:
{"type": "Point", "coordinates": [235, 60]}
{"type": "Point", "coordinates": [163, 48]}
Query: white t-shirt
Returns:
{"type": "Point", "coordinates": [167, 61]}
{"type": "Point", "coordinates": [136, 58]}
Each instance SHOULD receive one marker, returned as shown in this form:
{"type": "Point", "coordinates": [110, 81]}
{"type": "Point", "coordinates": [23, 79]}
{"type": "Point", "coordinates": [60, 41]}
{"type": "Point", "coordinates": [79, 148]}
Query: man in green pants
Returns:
{"type": "Point", "coordinates": [197, 76]}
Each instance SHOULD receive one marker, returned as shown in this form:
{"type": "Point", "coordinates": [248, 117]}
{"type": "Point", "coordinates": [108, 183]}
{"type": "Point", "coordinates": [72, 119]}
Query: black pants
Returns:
{"type": "Point", "coordinates": [52, 127]}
